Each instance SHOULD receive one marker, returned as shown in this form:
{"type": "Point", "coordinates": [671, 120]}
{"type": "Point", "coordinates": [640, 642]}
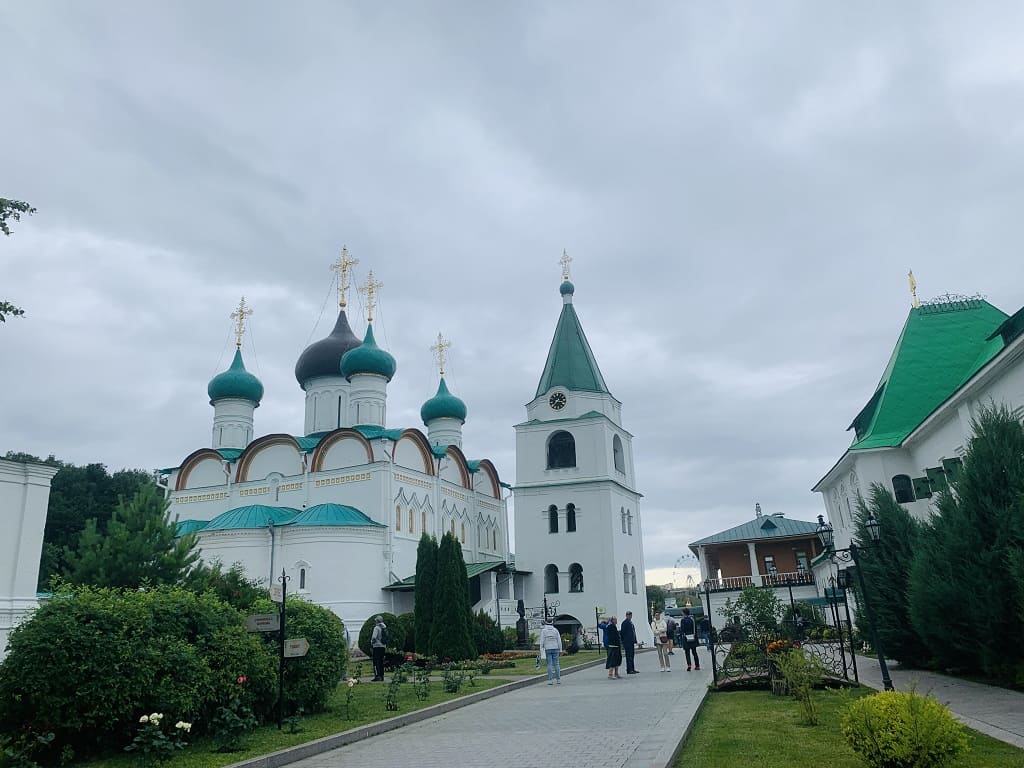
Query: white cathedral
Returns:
{"type": "Point", "coordinates": [340, 508]}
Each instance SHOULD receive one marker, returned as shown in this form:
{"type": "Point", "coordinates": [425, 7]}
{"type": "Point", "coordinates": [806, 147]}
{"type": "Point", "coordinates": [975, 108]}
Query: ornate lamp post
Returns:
{"type": "Point", "coordinates": [852, 554]}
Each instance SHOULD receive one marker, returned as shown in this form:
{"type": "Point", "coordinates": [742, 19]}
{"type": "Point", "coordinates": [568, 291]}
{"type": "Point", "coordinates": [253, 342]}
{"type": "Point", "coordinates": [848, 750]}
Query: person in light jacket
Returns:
{"type": "Point", "coordinates": [661, 642]}
{"type": "Point", "coordinates": [551, 644]}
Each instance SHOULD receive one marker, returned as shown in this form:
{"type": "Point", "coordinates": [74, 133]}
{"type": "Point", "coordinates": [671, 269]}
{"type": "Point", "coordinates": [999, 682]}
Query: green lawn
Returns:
{"type": "Point", "coordinates": [753, 729]}
{"type": "Point", "coordinates": [367, 707]}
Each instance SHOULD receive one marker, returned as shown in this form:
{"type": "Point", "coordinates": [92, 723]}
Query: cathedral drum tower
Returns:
{"type": "Point", "coordinates": [577, 515]}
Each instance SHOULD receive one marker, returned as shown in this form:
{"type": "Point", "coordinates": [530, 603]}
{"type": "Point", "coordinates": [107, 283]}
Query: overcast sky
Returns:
{"type": "Point", "coordinates": [742, 188]}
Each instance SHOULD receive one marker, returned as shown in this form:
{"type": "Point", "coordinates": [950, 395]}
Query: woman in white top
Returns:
{"type": "Point", "coordinates": [660, 630]}
{"type": "Point", "coordinates": [551, 645]}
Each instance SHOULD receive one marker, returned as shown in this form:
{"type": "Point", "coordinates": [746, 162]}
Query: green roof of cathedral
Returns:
{"type": "Point", "coordinates": [252, 516]}
{"type": "Point", "coordinates": [235, 382]}
{"type": "Point", "coordinates": [765, 527]}
{"type": "Point", "coordinates": [333, 515]}
{"type": "Point", "coordinates": [943, 344]}
{"type": "Point", "coordinates": [443, 405]}
{"type": "Point", "coordinates": [472, 569]}
{"type": "Point", "coordinates": [368, 358]}
{"type": "Point", "coordinates": [183, 527]}
{"type": "Point", "coordinates": [570, 362]}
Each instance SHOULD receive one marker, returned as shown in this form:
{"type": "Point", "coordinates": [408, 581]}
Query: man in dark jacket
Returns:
{"type": "Point", "coordinates": [627, 632]}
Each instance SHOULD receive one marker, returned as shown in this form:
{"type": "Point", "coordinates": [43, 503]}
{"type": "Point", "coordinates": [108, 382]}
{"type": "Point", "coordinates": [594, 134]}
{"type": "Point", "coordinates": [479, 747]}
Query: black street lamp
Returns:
{"type": "Point", "coordinates": [852, 554]}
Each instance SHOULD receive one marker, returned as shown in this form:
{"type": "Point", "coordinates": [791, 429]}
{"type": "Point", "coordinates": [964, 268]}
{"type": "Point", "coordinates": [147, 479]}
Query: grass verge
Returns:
{"type": "Point", "coordinates": [753, 729]}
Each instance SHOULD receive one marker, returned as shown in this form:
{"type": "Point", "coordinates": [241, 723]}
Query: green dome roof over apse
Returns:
{"type": "Point", "coordinates": [443, 405]}
{"type": "Point", "coordinates": [368, 358]}
{"type": "Point", "coordinates": [235, 382]}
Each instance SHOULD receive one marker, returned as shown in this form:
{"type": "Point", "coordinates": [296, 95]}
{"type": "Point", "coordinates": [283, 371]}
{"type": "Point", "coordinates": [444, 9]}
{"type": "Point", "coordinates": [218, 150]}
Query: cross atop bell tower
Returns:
{"type": "Point", "coordinates": [343, 266]}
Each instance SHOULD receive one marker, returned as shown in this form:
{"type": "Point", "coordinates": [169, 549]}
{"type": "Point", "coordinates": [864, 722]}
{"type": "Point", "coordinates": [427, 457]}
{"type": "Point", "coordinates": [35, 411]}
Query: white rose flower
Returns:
{"type": "Point", "coordinates": [144, 719]}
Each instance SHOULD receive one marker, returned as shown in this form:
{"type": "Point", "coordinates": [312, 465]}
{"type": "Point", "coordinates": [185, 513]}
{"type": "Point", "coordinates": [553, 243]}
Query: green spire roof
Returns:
{"type": "Point", "coordinates": [571, 362]}
{"type": "Point", "coordinates": [235, 382]}
{"type": "Point", "coordinates": [368, 358]}
{"type": "Point", "coordinates": [942, 345]}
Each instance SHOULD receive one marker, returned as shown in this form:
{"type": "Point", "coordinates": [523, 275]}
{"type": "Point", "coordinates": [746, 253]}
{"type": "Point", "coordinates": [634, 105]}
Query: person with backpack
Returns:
{"type": "Point", "coordinates": [378, 642]}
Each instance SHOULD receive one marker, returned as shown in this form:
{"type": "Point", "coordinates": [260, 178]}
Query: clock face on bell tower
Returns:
{"type": "Point", "coordinates": [557, 401]}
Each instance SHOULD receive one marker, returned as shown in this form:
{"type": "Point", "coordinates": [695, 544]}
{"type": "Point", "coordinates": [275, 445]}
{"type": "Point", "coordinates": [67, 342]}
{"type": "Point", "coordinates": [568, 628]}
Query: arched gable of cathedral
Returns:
{"type": "Point", "coordinates": [201, 469]}
{"type": "Point", "coordinates": [271, 453]}
{"type": "Point", "coordinates": [485, 479]}
{"type": "Point", "coordinates": [413, 452]}
{"type": "Point", "coordinates": [342, 448]}
{"type": "Point", "coordinates": [456, 470]}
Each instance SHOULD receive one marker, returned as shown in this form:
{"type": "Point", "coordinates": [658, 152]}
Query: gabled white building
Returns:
{"type": "Point", "coordinates": [578, 524]}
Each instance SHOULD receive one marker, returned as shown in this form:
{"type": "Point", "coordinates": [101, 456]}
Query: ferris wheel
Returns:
{"type": "Point", "coordinates": [684, 563]}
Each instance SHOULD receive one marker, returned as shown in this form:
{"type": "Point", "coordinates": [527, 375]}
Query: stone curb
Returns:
{"type": "Point", "coordinates": [327, 743]}
{"type": "Point", "coordinates": [667, 755]}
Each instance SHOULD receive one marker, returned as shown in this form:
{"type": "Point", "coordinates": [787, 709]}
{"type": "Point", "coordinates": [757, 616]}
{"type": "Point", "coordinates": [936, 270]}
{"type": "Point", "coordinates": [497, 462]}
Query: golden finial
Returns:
{"type": "Point", "coordinates": [239, 316]}
{"type": "Point", "coordinates": [565, 261]}
{"type": "Point", "coordinates": [440, 351]}
{"type": "Point", "coordinates": [370, 289]}
{"type": "Point", "coordinates": [343, 266]}
{"type": "Point", "coordinates": [913, 288]}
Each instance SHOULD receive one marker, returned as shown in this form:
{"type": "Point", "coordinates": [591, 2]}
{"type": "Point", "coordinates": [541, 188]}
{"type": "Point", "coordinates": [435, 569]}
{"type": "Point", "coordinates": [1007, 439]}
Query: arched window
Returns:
{"type": "Point", "coordinates": [410, 520]}
{"type": "Point", "coordinates": [494, 540]}
{"type": "Point", "coordinates": [398, 518]}
{"type": "Point", "coordinates": [453, 526]}
{"type": "Point", "coordinates": [552, 519]}
{"type": "Point", "coordinates": [575, 577]}
{"type": "Point", "coordinates": [632, 578]}
{"type": "Point", "coordinates": [625, 578]}
{"type": "Point", "coordinates": [570, 518]}
{"type": "Point", "coordinates": [462, 530]}
{"type": "Point", "coordinates": [620, 462]}
{"type": "Point", "coordinates": [561, 450]}
{"type": "Point", "coordinates": [423, 519]}
{"type": "Point", "coordinates": [302, 578]}
{"type": "Point", "coordinates": [551, 579]}
{"type": "Point", "coordinates": [629, 522]}
{"type": "Point", "coordinates": [903, 488]}
{"type": "Point", "coordinates": [622, 514]}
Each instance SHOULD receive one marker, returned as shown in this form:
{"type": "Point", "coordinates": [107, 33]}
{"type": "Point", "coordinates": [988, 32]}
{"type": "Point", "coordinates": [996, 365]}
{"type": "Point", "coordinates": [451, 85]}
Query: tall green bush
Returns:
{"type": "Point", "coordinates": [426, 585]}
{"type": "Point", "coordinates": [396, 630]}
{"type": "Point", "coordinates": [91, 661]}
{"type": "Point", "coordinates": [487, 638]}
{"type": "Point", "coordinates": [309, 680]}
{"type": "Point", "coordinates": [964, 589]}
{"type": "Point", "coordinates": [407, 623]}
{"type": "Point", "coordinates": [451, 636]}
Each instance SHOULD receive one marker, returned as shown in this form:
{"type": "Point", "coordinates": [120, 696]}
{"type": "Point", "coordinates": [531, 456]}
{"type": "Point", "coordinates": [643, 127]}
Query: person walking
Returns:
{"type": "Point", "coordinates": [378, 642]}
{"type": "Point", "coordinates": [660, 630]}
{"type": "Point", "coordinates": [614, 640]}
{"type": "Point", "coordinates": [551, 644]}
{"type": "Point", "coordinates": [688, 631]}
{"type": "Point", "coordinates": [627, 632]}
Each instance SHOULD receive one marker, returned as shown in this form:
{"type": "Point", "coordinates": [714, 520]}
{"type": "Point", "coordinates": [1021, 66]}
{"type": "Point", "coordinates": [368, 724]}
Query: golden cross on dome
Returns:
{"type": "Point", "coordinates": [343, 267]}
{"type": "Point", "coordinates": [565, 261]}
{"type": "Point", "coordinates": [913, 288]}
{"type": "Point", "coordinates": [239, 316]}
{"type": "Point", "coordinates": [440, 351]}
{"type": "Point", "coordinates": [370, 289]}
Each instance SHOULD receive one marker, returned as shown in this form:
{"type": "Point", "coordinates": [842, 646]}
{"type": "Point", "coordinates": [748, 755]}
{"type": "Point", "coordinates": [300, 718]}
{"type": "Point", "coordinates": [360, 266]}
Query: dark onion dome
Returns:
{"type": "Point", "coordinates": [235, 382]}
{"type": "Point", "coordinates": [567, 288]}
{"type": "Point", "coordinates": [443, 405]}
{"type": "Point", "coordinates": [368, 358]}
{"type": "Point", "coordinates": [323, 358]}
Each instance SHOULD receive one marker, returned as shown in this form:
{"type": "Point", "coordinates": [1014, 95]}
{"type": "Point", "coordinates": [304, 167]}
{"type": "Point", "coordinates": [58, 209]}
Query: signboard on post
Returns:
{"type": "Point", "coordinates": [263, 622]}
{"type": "Point", "coordinates": [296, 648]}
{"type": "Point", "coordinates": [277, 593]}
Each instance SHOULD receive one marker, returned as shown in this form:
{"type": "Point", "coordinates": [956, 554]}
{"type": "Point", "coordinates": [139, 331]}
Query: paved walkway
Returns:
{"type": "Point", "coordinates": [638, 721]}
{"type": "Point", "coordinates": [995, 711]}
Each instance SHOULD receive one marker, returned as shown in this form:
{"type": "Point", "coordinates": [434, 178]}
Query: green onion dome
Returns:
{"type": "Point", "coordinates": [235, 382]}
{"type": "Point", "coordinates": [322, 358]}
{"type": "Point", "coordinates": [368, 358]}
{"type": "Point", "coordinates": [567, 288]}
{"type": "Point", "coordinates": [443, 405]}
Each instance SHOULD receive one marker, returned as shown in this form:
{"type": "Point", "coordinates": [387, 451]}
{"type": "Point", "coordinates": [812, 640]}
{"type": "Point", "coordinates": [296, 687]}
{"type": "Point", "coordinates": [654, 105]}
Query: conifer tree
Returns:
{"type": "Point", "coordinates": [965, 585]}
{"type": "Point", "coordinates": [886, 567]}
{"type": "Point", "coordinates": [451, 636]}
{"type": "Point", "coordinates": [138, 547]}
{"type": "Point", "coordinates": [426, 585]}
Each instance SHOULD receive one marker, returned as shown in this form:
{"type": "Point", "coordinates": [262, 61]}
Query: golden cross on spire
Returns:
{"type": "Point", "coordinates": [370, 289]}
{"type": "Point", "coordinates": [565, 261]}
{"type": "Point", "coordinates": [239, 316]}
{"type": "Point", "coordinates": [913, 288]}
{"type": "Point", "coordinates": [343, 267]}
{"type": "Point", "coordinates": [440, 351]}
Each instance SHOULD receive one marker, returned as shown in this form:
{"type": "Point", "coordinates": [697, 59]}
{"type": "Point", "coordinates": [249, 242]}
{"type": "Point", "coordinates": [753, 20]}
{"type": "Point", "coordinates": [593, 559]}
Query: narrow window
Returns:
{"type": "Point", "coordinates": [575, 577]}
{"type": "Point", "coordinates": [561, 450]}
{"type": "Point", "coordinates": [570, 518]}
{"type": "Point", "coordinates": [462, 531]}
{"type": "Point", "coordinates": [339, 411]}
{"type": "Point", "coordinates": [423, 519]}
{"type": "Point", "coordinates": [410, 520]}
{"type": "Point", "coordinates": [302, 578]}
{"type": "Point", "coordinates": [552, 519]}
{"type": "Point", "coordinates": [903, 489]}
{"type": "Point", "coordinates": [622, 514]}
{"type": "Point", "coordinates": [494, 540]}
{"type": "Point", "coordinates": [629, 522]}
{"type": "Point", "coordinates": [453, 526]}
{"type": "Point", "coordinates": [801, 561]}
{"type": "Point", "coordinates": [398, 518]}
{"type": "Point", "coordinates": [632, 578]}
{"type": "Point", "coordinates": [625, 578]}
{"type": "Point", "coordinates": [769, 565]}
{"type": "Point", "coordinates": [551, 579]}
{"type": "Point", "coordinates": [620, 464]}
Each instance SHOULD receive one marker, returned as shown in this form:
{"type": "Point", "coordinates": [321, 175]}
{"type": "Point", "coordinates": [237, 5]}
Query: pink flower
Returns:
{"type": "Point", "coordinates": [242, 680]}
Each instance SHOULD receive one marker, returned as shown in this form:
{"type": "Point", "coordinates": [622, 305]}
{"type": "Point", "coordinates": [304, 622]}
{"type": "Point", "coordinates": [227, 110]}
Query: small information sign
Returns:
{"type": "Point", "coordinates": [276, 593]}
{"type": "Point", "coordinates": [263, 622]}
{"type": "Point", "coordinates": [293, 649]}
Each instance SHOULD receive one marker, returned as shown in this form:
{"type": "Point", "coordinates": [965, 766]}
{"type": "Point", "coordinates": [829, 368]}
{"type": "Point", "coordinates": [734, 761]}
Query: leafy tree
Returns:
{"type": "Point", "coordinates": [232, 586]}
{"type": "Point", "coordinates": [138, 548]}
{"type": "Point", "coordinates": [451, 636]}
{"type": "Point", "coordinates": [758, 611]}
{"type": "Point", "coordinates": [886, 569]}
{"type": "Point", "coordinates": [11, 210]}
{"type": "Point", "coordinates": [965, 583]}
{"type": "Point", "coordinates": [426, 584]}
{"type": "Point", "coordinates": [656, 597]}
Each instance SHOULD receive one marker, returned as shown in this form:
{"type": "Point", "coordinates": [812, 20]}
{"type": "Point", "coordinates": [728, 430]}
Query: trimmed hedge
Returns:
{"type": "Point", "coordinates": [396, 631]}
